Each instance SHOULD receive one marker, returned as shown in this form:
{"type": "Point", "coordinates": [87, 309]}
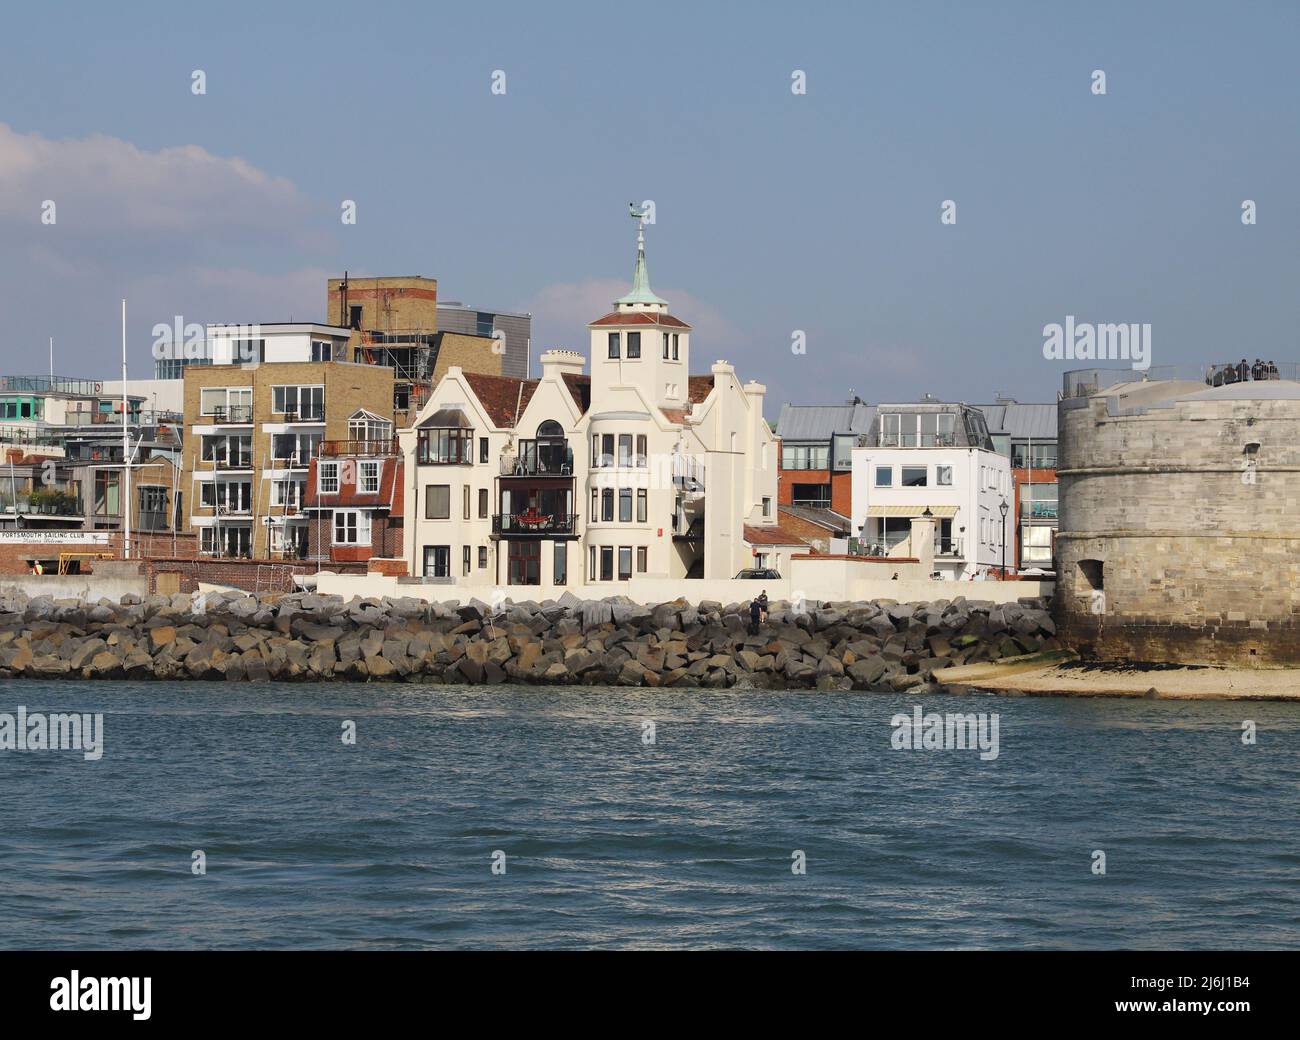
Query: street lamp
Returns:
{"type": "Point", "coordinates": [1003, 510]}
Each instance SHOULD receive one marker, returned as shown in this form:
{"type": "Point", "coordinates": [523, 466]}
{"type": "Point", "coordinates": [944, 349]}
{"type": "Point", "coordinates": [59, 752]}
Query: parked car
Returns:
{"type": "Point", "coordinates": [760, 574]}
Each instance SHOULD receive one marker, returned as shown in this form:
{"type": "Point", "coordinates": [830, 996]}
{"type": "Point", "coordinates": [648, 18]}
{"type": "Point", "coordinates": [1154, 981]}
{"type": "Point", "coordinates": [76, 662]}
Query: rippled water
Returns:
{"type": "Point", "coordinates": [613, 843]}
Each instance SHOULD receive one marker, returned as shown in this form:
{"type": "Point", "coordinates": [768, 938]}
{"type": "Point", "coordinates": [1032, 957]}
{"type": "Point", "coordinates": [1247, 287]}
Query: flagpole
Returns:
{"type": "Point", "coordinates": [126, 452]}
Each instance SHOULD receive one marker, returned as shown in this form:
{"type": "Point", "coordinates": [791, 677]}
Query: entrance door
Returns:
{"type": "Point", "coordinates": [524, 563]}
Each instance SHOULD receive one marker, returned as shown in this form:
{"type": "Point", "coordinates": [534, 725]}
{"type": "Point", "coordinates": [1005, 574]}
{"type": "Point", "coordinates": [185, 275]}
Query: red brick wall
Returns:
{"type": "Point", "coordinates": [14, 556]}
{"type": "Point", "coordinates": [385, 539]}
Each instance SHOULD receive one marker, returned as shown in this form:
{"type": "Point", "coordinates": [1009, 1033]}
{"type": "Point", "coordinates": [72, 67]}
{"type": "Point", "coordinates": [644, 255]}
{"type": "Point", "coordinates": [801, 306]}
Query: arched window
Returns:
{"type": "Point", "coordinates": [550, 428]}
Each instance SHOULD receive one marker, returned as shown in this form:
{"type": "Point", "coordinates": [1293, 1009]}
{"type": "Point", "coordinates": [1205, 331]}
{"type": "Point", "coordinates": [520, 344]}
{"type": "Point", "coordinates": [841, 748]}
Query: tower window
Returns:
{"type": "Point", "coordinates": [613, 345]}
{"type": "Point", "coordinates": [675, 357]}
{"type": "Point", "coordinates": [634, 344]}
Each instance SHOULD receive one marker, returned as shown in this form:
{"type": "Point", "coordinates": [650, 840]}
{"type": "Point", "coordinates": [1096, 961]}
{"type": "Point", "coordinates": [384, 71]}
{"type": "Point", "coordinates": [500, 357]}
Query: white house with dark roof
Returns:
{"type": "Point", "coordinates": [636, 470]}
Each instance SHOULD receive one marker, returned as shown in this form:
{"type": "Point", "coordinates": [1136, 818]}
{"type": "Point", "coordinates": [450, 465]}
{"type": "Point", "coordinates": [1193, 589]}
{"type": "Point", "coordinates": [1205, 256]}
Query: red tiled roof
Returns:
{"type": "Point", "coordinates": [389, 495]}
{"type": "Point", "coordinates": [677, 415]}
{"type": "Point", "coordinates": [698, 388]}
{"type": "Point", "coordinates": [580, 389]}
{"type": "Point", "coordinates": [641, 318]}
{"type": "Point", "coordinates": [503, 397]}
{"type": "Point", "coordinates": [773, 535]}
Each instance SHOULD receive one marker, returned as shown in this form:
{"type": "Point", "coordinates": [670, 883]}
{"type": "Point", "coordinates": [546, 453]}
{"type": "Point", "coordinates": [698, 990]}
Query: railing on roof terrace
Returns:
{"type": "Point", "coordinates": [1084, 382]}
{"type": "Point", "coordinates": [381, 446]}
{"type": "Point", "coordinates": [50, 385]}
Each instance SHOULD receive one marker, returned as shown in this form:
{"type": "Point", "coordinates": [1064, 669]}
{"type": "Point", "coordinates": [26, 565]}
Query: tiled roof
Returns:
{"type": "Point", "coordinates": [698, 388]}
{"type": "Point", "coordinates": [773, 535]}
{"type": "Point", "coordinates": [641, 318]}
{"type": "Point", "coordinates": [580, 389]}
{"type": "Point", "coordinates": [389, 495]}
{"type": "Point", "coordinates": [503, 397]}
{"type": "Point", "coordinates": [677, 415]}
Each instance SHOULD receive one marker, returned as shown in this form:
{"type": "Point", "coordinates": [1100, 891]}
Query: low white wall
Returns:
{"type": "Point", "coordinates": [91, 587]}
{"type": "Point", "coordinates": [828, 586]}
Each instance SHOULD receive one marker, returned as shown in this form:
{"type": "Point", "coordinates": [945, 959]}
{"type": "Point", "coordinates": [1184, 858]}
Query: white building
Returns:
{"type": "Point", "coordinates": [940, 458]}
{"type": "Point", "coordinates": [635, 470]}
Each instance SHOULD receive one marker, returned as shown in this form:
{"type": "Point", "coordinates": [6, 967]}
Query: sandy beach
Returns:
{"type": "Point", "coordinates": [1065, 676]}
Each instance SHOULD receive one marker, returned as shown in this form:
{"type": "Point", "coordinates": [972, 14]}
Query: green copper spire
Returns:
{"type": "Point", "coordinates": [641, 291]}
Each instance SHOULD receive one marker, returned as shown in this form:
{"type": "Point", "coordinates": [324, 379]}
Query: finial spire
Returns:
{"type": "Point", "coordinates": [641, 292]}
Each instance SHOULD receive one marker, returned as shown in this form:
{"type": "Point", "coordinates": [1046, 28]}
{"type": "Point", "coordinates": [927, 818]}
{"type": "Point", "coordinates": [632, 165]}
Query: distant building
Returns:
{"type": "Point", "coordinates": [936, 460]}
{"type": "Point", "coordinates": [514, 330]}
{"type": "Point", "coordinates": [252, 429]}
{"type": "Point", "coordinates": [815, 479]}
{"type": "Point", "coordinates": [397, 322]}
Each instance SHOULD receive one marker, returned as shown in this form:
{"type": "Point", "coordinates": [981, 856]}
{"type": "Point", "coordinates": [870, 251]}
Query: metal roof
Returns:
{"type": "Point", "coordinates": [1016, 420]}
{"type": "Point", "coordinates": [819, 422]}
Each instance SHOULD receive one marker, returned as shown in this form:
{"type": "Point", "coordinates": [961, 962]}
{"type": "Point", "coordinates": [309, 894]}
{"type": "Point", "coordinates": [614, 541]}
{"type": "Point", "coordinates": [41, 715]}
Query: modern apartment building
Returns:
{"type": "Point", "coordinates": [935, 460]}
{"type": "Point", "coordinates": [512, 330]}
{"type": "Point", "coordinates": [815, 480]}
{"type": "Point", "coordinates": [638, 469]}
{"type": "Point", "coordinates": [253, 427]}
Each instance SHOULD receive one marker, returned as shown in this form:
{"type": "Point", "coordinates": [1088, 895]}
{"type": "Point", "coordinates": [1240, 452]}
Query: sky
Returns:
{"type": "Point", "coordinates": [780, 217]}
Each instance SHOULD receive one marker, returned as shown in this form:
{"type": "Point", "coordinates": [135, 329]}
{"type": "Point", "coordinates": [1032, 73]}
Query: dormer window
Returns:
{"type": "Point", "coordinates": [614, 345]}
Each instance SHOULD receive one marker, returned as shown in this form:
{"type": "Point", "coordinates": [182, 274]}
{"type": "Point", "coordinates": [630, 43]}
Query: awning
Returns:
{"type": "Point", "coordinates": [946, 512]}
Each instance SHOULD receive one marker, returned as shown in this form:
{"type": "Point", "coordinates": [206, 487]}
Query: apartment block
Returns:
{"type": "Point", "coordinates": [253, 428]}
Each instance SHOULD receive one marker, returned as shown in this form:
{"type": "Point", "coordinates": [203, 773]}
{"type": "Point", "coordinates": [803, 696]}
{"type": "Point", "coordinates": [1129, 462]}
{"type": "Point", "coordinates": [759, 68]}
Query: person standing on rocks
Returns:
{"type": "Point", "coordinates": [758, 610]}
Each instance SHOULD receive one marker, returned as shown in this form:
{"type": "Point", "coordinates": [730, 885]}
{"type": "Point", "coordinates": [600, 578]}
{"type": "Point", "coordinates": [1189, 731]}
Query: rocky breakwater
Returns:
{"type": "Point", "coordinates": [879, 645]}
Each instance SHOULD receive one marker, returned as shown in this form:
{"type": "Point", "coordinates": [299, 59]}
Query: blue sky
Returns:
{"type": "Point", "coordinates": [775, 212]}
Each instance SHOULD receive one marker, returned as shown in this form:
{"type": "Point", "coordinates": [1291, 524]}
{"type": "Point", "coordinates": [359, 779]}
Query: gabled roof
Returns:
{"type": "Point", "coordinates": [641, 318]}
{"type": "Point", "coordinates": [698, 388]}
{"type": "Point", "coordinates": [505, 398]}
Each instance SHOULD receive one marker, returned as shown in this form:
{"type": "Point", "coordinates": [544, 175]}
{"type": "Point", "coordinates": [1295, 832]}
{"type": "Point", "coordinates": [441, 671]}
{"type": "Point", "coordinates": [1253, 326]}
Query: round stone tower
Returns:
{"type": "Point", "coordinates": [1179, 534]}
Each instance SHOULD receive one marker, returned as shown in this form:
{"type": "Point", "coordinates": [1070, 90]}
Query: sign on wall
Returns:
{"type": "Point", "coordinates": [54, 537]}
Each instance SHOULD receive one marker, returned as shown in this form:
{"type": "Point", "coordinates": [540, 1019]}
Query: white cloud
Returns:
{"type": "Point", "coordinates": [104, 185]}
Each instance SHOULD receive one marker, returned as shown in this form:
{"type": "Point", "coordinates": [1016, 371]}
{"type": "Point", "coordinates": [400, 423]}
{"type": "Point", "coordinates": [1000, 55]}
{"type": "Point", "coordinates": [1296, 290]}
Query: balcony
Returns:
{"type": "Point", "coordinates": [335, 449]}
{"type": "Point", "coordinates": [235, 511]}
{"type": "Point", "coordinates": [947, 547]}
{"type": "Point", "coordinates": [534, 524]}
{"type": "Point", "coordinates": [1019, 461]}
{"type": "Point", "coordinates": [232, 462]}
{"type": "Point", "coordinates": [236, 414]}
{"type": "Point", "coordinates": [1038, 510]}
{"type": "Point", "coordinates": [304, 415]}
{"type": "Point", "coordinates": [524, 466]}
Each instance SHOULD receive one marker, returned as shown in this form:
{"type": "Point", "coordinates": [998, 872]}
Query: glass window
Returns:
{"type": "Point", "coordinates": [642, 458]}
{"type": "Point", "coordinates": [437, 561]}
{"type": "Point", "coordinates": [665, 346]}
{"type": "Point", "coordinates": [561, 563]}
{"type": "Point", "coordinates": [329, 477]}
{"type": "Point", "coordinates": [482, 449]}
{"type": "Point", "coordinates": [675, 357]}
{"type": "Point", "coordinates": [437, 502]}
{"type": "Point", "coordinates": [625, 449]}
{"type": "Point", "coordinates": [641, 559]}
{"type": "Point", "coordinates": [465, 559]}
{"type": "Point", "coordinates": [606, 563]}
{"type": "Point", "coordinates": [914, 476]}
{"type": "Point", "coordinates": [613, 344]}
{"type": "Point", "coordinates": [482, 503]}
{"type": "Point", "coordinates": [634, 344]}
{"type": "Point", "coordinates": [624, 562]}
{"type": "Point", "coordinates": [370, 478]}
{"type": "Point", "coordinates": [482, 557]}
{"type": "Point", "coordinates": [884, 476]}
{"type": "Point", "coordinates": [641, 505]}
{"type": "Point", "coordinates": [445, 446]}
{"type": "Point", "coordinates": [767, 507]}
{"type": "Point", "coordinates": [943, 476]}
{"type": "Point", "coordinates": [607, 505]}
{"type": "Point", "coordinates": [351, 527]}
{"type": "Point", "coordinates": [625, 505]}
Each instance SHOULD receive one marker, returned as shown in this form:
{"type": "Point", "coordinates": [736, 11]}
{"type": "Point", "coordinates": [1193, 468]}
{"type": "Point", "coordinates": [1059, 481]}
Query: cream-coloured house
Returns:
{"type": "Point", "coordinates": [637, 470]}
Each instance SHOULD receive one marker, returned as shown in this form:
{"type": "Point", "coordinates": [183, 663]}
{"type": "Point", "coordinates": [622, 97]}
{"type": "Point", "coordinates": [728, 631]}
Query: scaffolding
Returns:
{"type": "Point", "coordinates": [411, 354]}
